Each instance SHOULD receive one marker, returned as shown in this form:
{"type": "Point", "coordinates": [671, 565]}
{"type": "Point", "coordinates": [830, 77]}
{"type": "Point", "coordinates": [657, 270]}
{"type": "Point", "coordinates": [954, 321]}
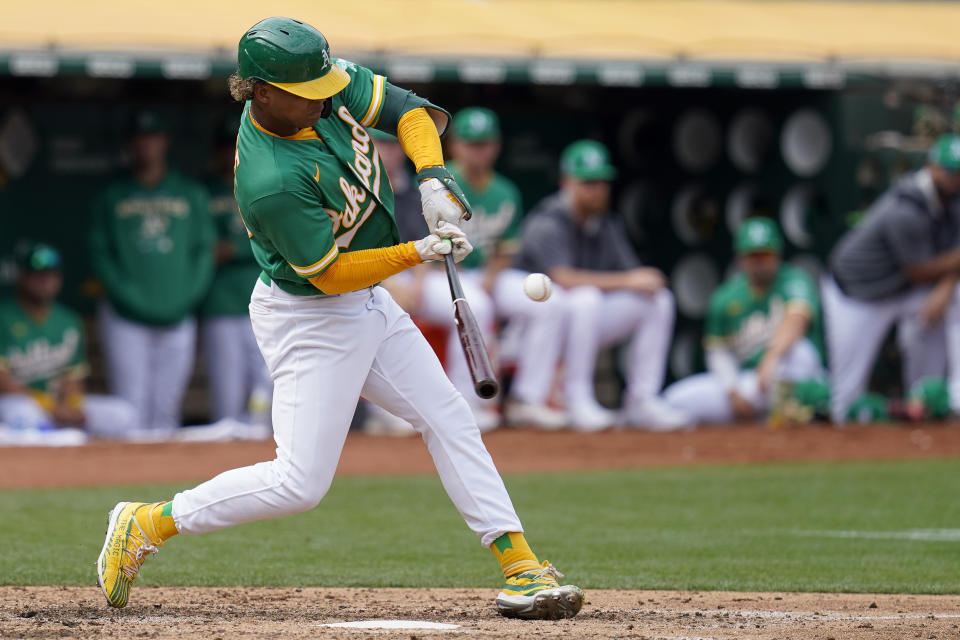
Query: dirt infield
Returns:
{"type": "Point", "coordinates": [221, 614]}
{"type": "Point", "coordinates": [520, 450]}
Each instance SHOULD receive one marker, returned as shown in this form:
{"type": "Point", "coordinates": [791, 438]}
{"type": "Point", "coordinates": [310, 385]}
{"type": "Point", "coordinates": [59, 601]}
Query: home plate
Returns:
{"type": "Point", "coordinates": [393, 624]}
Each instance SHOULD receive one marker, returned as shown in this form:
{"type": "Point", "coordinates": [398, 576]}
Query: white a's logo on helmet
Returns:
{"type": "Point", "coordinates": [326, 57]}
{"type": "Point", "coordinates": [758, 233]}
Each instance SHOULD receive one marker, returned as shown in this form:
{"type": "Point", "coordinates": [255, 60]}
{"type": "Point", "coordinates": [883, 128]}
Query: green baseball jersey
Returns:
{"type": "Point", "coordinates": [38, 354]}
{"type": "Point", "coordinates": [745, 323]}
{"type": "Point", "coordinates": [152, 247]}
{"type": "Point", "coordinates": [496, 216]}
{"type": "Point", "coordinates": [233, 280]}
{"type": "Point", "coordinates": [307, 197]}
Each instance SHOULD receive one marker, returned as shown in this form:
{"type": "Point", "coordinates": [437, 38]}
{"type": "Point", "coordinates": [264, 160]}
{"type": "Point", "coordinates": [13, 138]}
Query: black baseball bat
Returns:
{"type": "Point", "coordinates": [478, 361]}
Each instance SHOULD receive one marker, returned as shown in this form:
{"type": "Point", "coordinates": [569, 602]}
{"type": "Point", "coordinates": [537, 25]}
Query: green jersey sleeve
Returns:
{"type": "Point", "coordinates": [375, 102]}
{"type": "Point", "coordinates": [798, 287]}
{"type": "Point", "coordinates": [300, 229]}
{"type": "Point", "coordinates": [715, 328]}
{"type": "Point", "coordinates": [77, 367]}
{"type": "Point", "coordinates": [512, 232]}
{"type": "Point", "coordinates": [365, 95]}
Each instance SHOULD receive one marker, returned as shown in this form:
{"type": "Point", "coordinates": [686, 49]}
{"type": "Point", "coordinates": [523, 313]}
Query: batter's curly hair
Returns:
{"type": "Point", "coordinates": [240, 89]}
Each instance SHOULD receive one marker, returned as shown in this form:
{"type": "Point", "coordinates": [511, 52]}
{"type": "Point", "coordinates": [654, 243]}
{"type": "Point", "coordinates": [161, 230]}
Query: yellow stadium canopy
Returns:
{"type": "Point", "coordinates": [617, 29]}
{"type": "Point", "coordinates": [876, 36]}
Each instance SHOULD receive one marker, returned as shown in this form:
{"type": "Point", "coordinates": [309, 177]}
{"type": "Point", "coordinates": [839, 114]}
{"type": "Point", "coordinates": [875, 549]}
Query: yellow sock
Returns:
{"type": "Point", "coordinates": [514, 554]}
{"type": "Point", "coordinates": [158, 519]}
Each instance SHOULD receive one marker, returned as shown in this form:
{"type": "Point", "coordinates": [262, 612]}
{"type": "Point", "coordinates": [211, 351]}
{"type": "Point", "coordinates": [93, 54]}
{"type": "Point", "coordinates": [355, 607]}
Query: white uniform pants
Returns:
{"type": "Point", "coordinates": [235, 367]}
{"type": "Point", "coordinates": [600, 319]}
{"type": "Point", "coordinates": [149, 367]}
{"type": "Point", "coordinates": [704, 399]}
{"type": "Point", "coordinates": [436, 306]}
{"type": "Point", "coordinates": [323, 354]}
{"type": "Point", "coordinates": [543, 325]}
{"type": "Point", "coordinates": [855, 330]}
{"type": "Point", "coordinates": [107, 417]}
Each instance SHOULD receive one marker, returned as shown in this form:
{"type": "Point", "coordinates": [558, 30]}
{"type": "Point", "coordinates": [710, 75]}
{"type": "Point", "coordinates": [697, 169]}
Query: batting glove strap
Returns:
{"type": "Point", "coordinates": [446, 178]}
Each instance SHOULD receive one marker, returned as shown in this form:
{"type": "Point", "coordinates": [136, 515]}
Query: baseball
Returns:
{"type": "Point", "coordinates": [538, 286]}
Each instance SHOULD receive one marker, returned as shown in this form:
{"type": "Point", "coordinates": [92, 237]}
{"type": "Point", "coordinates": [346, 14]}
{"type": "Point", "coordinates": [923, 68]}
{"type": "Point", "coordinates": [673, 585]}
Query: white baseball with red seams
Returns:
{"type": "Point", "coordinates": [538, 286]}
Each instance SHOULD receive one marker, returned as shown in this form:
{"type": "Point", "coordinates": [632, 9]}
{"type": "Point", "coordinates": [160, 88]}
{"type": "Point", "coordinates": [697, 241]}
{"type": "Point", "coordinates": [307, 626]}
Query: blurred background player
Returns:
{"type": "Point", "coordinates": [151, 240]}
{"type": "Point", "coordinates": [574, 238]}
{"type": "Point", "coordinates": [762, 330]}
{"type": "Point", "coordinates": [42, 360]}
{"type": "Point", "coordinates": [900, 266]}
{"type": "Point", "coordinates": [240, 384]}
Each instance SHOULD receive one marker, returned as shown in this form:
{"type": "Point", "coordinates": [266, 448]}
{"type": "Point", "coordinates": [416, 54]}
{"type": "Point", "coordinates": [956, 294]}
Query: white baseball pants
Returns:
{"type": "Point", "coordinates": [855, 330]}
{"type": "Point", "coordinates": [323, 354]}
{"type": "Point", "coordinates": [107, 417]}
{"type": "Point", "coordinates": [235, 366]}
{"type": "Point", "coordinates": [599, 319]}
{"type": "Point", "coordinates": [543, 327]}
{"type": "Point", "coordinates": [149, 367]}
{"type": "Point", "coordinates": [703, 398]}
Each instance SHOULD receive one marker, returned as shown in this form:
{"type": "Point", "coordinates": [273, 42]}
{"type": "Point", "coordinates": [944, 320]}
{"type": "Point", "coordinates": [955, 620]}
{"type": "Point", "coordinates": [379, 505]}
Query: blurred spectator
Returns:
{"type": "Point", "coordinates": [151, 240]}
{"type": "Point", "coordinates": [573, 237]}
{"type": "Point", "coordinates": [762, 334]}
{"type": "Point", "coordinates": [240, 385]}
{"type": "Point", "coordinates": [901, 265]}
{"type": "Point", "coordinates": [42, 362]}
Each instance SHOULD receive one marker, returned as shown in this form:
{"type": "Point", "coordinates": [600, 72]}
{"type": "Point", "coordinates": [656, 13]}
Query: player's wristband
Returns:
{"type": "Point", "coordinates": [446, 178]}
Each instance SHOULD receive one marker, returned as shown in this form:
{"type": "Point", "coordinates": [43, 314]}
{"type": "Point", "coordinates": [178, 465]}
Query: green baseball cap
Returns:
{"type": "Point", "coordinates": [147, 121]}
{"type": "Point", "coordinates": [291, 55]}
{"type": "Point", "coordinates": [756, 235]}
{"type": "Point", "coordinates": [587, 160]}
{"type": "Point", "coordinates": [945, 152]}
{"type": "Point", "coordinates": [36, 256]}
{"type": "Point", "coordinates": [476, 124]}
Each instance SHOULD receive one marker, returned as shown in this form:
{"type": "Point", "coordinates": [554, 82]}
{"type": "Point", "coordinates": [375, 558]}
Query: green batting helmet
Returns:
{"type": "Point", "coordinates": [291, 55]}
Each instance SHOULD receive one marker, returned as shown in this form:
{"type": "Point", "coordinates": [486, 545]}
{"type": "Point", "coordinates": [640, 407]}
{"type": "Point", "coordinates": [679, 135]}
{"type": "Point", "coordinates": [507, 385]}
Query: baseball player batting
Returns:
{"type": "Point", "coordinates": [318, 207]}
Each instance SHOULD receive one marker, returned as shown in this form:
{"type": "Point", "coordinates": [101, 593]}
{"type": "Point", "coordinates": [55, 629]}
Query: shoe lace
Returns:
{"type": "Point", "coordinates": [133, 558]}
{"type": "Point", "coordinates": [548, 570]}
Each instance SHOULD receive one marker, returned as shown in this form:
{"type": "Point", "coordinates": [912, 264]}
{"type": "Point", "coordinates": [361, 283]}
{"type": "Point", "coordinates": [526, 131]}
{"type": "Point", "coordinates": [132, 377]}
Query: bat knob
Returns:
{"type": "Point", "coordinates": [487, 388]}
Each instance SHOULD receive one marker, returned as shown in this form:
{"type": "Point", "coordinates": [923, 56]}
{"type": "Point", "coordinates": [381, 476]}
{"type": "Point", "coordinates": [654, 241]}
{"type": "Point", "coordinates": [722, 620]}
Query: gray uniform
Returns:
{"type": "Point", "coordinates": [594, 318]}
{"type": "Point", "coordinates": [869, 290]}
{"type": "Point", "coordinates": [906, 226]}
{"type": "Point", "coordinates": [551, 239]}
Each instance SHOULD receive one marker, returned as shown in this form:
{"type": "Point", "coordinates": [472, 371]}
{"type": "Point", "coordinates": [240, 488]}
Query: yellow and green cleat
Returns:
{"type": "Point", "coordinates": [536, 595]}
{"type": "Point", "coordinates": [124, 550]}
